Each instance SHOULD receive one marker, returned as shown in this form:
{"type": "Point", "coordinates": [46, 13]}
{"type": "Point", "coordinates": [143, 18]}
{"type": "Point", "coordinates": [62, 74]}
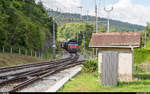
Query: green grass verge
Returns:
{"type": "Point", "coordinates": [89, 82]}
{"type": "Point", "coordinates": [142, 55]}
{"type": "Point", "coordinates": [15, 59]}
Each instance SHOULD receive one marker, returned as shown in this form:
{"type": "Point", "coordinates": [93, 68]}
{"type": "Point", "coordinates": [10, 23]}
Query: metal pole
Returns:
{"type": "Point", "coordinates": [54, 44]}
{"type": "Point", "coordinates": [81, 13]}
{"type": "Point", "coordinates": [87, 16]}
{"type": "Point", "coordinates": [84, 43]}
{"type": "Point", "coordinates": [96, 22]}
{"type": "Point", "coordinates": [77, 37]}
{"type": "Point", "coordinates": [108, 13]}
{"type": "Point", "coordinates": [80, 21]}
{"type": "Point", "coordinates": [96, 17]}
{"type": "Point", "coordinates": [145, 39]}
{"type": "Point", "coordinates": [83, 32]}
{"type": "Point", "coordinates": [108, 30]}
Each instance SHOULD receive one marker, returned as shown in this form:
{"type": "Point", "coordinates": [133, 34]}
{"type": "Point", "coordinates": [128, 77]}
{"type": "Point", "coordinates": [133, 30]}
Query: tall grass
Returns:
{"type": "Point", "coordinates": [90, 65]}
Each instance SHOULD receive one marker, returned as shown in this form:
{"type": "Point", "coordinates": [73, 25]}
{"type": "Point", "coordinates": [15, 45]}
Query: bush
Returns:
{"type": "Point", "coordinates": [90, 65]}
{"type": "Point", "coordinates": [141, 55]}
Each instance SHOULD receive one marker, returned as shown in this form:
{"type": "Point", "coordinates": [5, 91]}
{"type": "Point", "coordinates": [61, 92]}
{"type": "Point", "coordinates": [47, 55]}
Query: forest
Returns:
{"type": "Point", "coordinates": [28, 25]}
{"type": "Point", "coordinates": [24, 24]}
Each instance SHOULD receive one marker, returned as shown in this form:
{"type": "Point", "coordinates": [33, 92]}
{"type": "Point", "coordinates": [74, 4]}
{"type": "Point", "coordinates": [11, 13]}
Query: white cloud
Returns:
{"type": "Point", "coordinates": [63, 5]}
{"type": "Point", "coordinates": [126, 11]}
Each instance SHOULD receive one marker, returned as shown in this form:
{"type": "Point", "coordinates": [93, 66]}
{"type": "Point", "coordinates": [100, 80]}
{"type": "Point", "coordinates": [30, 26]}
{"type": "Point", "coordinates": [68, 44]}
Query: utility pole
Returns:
{"type": "Point", "coordinates": [54, 40]}
{"type": "Point", "coordinates": [84, 43]}
{"type": "Point", "coordinates": [87, 16]}
{"type": "Point", "coordinates": [81, 13]}
{"type": "Point", "coordinates": [108, 13]}
{"type": "Point", "coordinates": [83, 31]}
{"type": "Point", "coordinates": [96, 17]}
{"type": "Point", "coordinates": [145, 39]}
{"type": "Point", "coordinates": [81, 21]}
{"type": "Point", "coordinates": [54, 43]}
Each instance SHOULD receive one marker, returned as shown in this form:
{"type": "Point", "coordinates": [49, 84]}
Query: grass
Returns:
{"type": "Point", "coordinates": [89, 82]}
{"type": "Point", "coordinates": [15, 59]}
{"type": "Point", "coordinates": [142, 55]}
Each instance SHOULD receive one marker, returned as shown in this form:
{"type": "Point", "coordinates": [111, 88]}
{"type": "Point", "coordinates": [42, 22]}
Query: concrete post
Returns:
{"type": "Point", "coordinates": [35, 54]}
{"type": "Point", "coordinates": [19, 51]}
{"type": "Point", "coordinates": [31, 52]}
{"type": "Point", "coordinates": [11, 50]}
{"type": "Point", "coordinates": [39, 55]}
{"type": "Point", "coordinates": [26, 53]}
{"type": "Point", "coordinates": [3, 49]}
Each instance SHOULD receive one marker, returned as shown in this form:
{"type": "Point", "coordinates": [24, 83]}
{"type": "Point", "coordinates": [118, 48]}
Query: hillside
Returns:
{"type": "Point", "coordinates": [24, 24]}
{"type": "Point", "coordinates": [118, 25]}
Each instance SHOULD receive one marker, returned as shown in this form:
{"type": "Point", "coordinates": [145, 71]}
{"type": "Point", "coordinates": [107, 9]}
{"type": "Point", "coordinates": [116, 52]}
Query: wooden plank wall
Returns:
{"type": "Point", "coordinates": [109, 68]}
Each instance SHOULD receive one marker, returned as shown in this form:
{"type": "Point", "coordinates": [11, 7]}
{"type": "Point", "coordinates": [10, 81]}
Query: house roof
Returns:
{"type": "Point", "coordinates": [116, 39]}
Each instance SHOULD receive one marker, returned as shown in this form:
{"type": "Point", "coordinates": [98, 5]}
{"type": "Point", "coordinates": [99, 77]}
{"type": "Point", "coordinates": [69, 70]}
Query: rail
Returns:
{"type": "Point", "coordinates": [45, 69]}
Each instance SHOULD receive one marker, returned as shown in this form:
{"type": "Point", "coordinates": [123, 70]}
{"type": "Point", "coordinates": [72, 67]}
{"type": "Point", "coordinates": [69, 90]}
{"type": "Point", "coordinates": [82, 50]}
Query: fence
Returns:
{"type": "Point", "coordinates": [142, 68]}
{"type": "Point", "coordinates": [87, 54]}
{"type": "Point", "coordinates": [30, 52]}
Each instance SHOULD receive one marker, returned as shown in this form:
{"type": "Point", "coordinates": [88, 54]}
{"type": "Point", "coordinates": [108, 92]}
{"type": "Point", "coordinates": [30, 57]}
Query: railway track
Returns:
{"type": "Point", "coordinates": [23, 79]}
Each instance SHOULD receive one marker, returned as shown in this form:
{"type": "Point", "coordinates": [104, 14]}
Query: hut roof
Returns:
{"type": "Point", "coordinates": [116, 39]}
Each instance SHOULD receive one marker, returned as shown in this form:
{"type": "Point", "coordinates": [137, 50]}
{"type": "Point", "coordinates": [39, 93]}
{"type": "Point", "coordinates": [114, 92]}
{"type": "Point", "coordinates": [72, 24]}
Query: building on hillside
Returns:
{"type": "Point", "coordinates": [121, 42]}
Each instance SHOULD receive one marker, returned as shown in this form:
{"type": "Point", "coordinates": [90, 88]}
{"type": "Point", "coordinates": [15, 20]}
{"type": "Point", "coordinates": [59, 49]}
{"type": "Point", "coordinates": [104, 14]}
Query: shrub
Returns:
{"type": "Point", "coordinates": [90, 65]}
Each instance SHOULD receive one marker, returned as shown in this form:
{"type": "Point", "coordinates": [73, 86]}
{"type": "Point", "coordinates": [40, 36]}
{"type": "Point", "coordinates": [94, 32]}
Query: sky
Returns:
{"type": "Point", "coordinates": [131, 11]}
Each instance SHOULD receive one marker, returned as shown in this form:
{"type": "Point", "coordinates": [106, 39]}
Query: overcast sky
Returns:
{"type": "Point", "coordinates": [132, 11]}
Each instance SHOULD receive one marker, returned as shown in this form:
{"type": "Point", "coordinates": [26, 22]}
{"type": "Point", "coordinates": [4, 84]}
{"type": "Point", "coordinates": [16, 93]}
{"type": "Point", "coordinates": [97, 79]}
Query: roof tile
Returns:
{"type": "Point", "coordinates": [116, 39]}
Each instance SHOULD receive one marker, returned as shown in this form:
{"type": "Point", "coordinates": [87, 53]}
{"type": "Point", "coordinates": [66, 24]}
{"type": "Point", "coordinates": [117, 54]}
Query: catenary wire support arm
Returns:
{"type": "Point", "coordinates": [108, 17]}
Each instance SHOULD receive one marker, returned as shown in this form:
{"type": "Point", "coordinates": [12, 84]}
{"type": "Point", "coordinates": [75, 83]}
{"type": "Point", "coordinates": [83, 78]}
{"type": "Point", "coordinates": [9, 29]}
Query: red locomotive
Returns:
{"type": "Point", "coordinates": [71, 46]}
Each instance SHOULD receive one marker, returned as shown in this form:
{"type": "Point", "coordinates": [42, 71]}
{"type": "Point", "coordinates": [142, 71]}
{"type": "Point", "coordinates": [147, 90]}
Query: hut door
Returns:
{"type": "Point", "coordinates": [109, 68]}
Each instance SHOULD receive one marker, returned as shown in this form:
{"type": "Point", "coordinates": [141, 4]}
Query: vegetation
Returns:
{"type": "Point", "coordinates": [147, 33]}
{"type": "Point", "coordinates": [15, 59]}
{"type": "Point", "coordinates": [24, 24]}
{"type": "Point", "coordinates": [70, 30]}
{"type": "Point", "coordinates": [90, 65]}
{"type": "Point", "coordinates": [141, 55]}
{"type": "Point", "coordinates": [114, 24]}
{"type": "Point", "coordinates": [89, 82]}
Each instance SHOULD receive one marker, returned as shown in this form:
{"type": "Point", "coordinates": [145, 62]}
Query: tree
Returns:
{"type": "Point", "coordinates": [70, 30]}
{"type": "Point", "coordinates": [24, 24]}
{"type": "Point", "coordinates": [101, 29]}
